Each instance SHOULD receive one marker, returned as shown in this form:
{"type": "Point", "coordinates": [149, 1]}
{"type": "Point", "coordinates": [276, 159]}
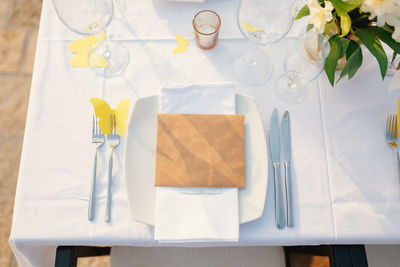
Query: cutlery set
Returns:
{"type": "Point", "coordinates": [98, 139]}
{"type": "Point", "coordinates": [275, 148]}
{"type": "Point", "coordinates": [279, 141]}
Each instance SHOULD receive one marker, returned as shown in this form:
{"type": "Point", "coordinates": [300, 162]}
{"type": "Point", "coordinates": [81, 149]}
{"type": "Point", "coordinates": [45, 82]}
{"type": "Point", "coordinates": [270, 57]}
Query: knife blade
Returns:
{"type": "Point", "coordinates": [275, 149]}
{"type": "Point", "coordinates": [286, 149]}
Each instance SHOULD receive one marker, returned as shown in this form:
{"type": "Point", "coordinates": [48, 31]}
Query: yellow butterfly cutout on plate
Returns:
{"type": "Point", "coordinates": [249, 27]}
{"type": "Point", "coordinates": [182, 43]}
{"type": "Point", "coordinates": [82, 48]}
{"type": "Point", "coordinates": [104, 112]}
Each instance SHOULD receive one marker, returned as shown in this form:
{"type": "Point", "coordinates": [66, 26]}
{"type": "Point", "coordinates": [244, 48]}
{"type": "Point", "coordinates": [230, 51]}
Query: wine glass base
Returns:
{"type": "Point", "coordinates": [288, 93]}
{"type": "Point", "coordinates": [252, 67]}
{"type": "Point", "coordinates": [117, 57]}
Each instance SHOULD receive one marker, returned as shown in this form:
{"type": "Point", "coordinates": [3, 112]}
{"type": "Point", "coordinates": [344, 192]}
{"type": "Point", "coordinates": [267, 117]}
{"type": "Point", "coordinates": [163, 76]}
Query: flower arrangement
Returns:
{"type": "Point", "coordinates": [348, 24]}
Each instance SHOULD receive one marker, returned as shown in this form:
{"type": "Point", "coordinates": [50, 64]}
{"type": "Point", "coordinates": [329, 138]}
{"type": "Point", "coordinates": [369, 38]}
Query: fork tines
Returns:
{"type": "Point", "coordinates": [113, 124]}
{"type": "Point", "coordinates": [391, 126]}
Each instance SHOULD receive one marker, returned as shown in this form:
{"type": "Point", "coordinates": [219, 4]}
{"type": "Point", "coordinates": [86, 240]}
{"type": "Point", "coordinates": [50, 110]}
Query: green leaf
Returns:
{"type": "Point", "coordinates": [394, 56]}
{"type": "Point", "coordinates": [304, 11]}
{"type": "Point", "coordinates": [359, 19]}
{"type": "Point", "coordinates": [353, 4]}
{"type": "Point", "coordinates": [344, 44]}
{"type": "Point", "coordinates": [345, 24]}
{"type": "Point", "coordinates": [353, 45]}
{"type": "Point", "coordinates": [373, 44]}
{"type": "Point", "coordinates": [353, 63]}
{"type": "Point", "coordinates": [333, 57]}
{"type": "Point", "coordinates": [388, 28]}
{"type": "Point", "coordinates": [346, 6]}
{"type": "Point", "coordinates": [309, 27]}
{"type": "Point", "coordinates": [342, 9]}
{"type": "Point", "coordinates": [385, 36]}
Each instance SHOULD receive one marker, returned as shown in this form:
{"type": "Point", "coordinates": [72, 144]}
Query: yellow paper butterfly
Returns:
{"type": "Point", "coordinates": [104, 112]}
{"type": "Point", "coordinates": [250, 28]}
{"type": "Point", "coordinates": [82, 48]}
{"type": "Point", "coordinates": [182, 43]}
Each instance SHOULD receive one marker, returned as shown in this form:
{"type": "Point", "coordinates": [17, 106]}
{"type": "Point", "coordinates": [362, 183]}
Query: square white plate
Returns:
{"type": "Point", "coordinates": [140, 155]}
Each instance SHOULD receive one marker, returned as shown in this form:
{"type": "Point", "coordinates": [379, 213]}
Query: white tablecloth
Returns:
{"type": "Point", "coordinates": [345, 184]}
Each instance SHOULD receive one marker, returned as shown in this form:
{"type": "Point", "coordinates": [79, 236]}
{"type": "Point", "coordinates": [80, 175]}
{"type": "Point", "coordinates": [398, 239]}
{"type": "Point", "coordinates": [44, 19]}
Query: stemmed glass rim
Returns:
{"type": "Point", "coordinates": [82, 32]}
{"type": "Point", "coordinates": [298, 41]}
{"type": "Point", "coordinates": [291, 4]}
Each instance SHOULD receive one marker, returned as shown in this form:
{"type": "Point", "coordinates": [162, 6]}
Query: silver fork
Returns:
{"type": "Point", "coordinates": [97, 141]}
{"type": "Point", "coordinates": [113, 142]}
{"type": "Point", "coordinates": [391, 138]}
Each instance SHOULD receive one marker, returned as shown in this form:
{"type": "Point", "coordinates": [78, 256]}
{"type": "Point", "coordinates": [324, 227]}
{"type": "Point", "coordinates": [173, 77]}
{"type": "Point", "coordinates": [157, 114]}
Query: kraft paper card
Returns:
{"type": "Point", "coordinates": [200, 150]}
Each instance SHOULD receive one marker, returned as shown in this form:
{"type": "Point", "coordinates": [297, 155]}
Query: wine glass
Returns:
{"type": "Point", "coordinates": [91, 17]}
{"type": "Point", "coordinates": [393, 67]}
{"type": "Point", "coordinates": [263, 22]}
{"type": "Point", "coordinates": [303, 63]}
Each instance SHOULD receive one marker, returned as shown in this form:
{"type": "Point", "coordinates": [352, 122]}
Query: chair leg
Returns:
{"type": "Point", "coordinates": [358, 256]}
{"type": "Point", "coordinates": [66, 257]}
{"type": "Point", "coordinates": [341, 256]}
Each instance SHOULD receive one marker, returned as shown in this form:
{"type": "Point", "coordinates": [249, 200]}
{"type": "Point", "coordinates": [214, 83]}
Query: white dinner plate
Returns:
{"type": "Point", "coordinates": [140, 153]}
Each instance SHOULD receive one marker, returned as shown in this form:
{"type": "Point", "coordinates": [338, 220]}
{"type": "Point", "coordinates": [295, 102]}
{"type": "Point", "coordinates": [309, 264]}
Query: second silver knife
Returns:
{"type": "Point", "coordinates": [286, 149]}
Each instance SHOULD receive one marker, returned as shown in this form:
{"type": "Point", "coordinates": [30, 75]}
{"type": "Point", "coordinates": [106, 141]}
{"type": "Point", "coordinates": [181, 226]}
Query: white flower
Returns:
{"type": "Point", "coordinates": [319, 15]}
{"type": "Point", "coordinates": [396, 34]}
{"type": "Point", "coordinates": [386, 11]}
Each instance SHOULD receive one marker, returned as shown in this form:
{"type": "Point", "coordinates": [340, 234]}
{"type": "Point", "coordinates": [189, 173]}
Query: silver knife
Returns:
{"type": "Point", "coordinates": [275, 148]}
{"type": "Point", "coordinates": [286, 149]}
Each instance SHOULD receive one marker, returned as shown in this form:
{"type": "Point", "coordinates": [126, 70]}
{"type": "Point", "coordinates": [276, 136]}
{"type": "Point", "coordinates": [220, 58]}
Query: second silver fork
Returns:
{"type": "Point", "coordinates": [113, 142]}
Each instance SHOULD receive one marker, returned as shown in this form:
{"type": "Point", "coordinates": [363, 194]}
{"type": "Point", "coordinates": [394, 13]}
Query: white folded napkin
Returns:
{"type": "Point", "coordinates": [197, 214]}
{"type": "Point", "coordinates": [395, 83]}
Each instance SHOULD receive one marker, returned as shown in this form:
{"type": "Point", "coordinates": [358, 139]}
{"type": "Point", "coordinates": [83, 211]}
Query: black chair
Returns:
{"type": "Point", "coordinates": [339, 255]}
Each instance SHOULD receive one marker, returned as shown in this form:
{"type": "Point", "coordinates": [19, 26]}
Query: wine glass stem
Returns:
{"type": "Point", "coordinates": [292, 84]}
{"type": "Point", "coordinates": [104, 44]}
{"type": "Point", "coordinates": [106, 50]}
{"type": "Point", "coordinates": [251, 61]}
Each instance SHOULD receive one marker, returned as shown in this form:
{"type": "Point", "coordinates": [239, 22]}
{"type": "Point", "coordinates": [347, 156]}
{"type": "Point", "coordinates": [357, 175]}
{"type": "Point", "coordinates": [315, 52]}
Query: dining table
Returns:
{"type": "Point", "coordinates": [345, 182]}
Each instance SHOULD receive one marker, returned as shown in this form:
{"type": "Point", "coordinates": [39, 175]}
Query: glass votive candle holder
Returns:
{"type": "Point", "coordinates": [206, 26]}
